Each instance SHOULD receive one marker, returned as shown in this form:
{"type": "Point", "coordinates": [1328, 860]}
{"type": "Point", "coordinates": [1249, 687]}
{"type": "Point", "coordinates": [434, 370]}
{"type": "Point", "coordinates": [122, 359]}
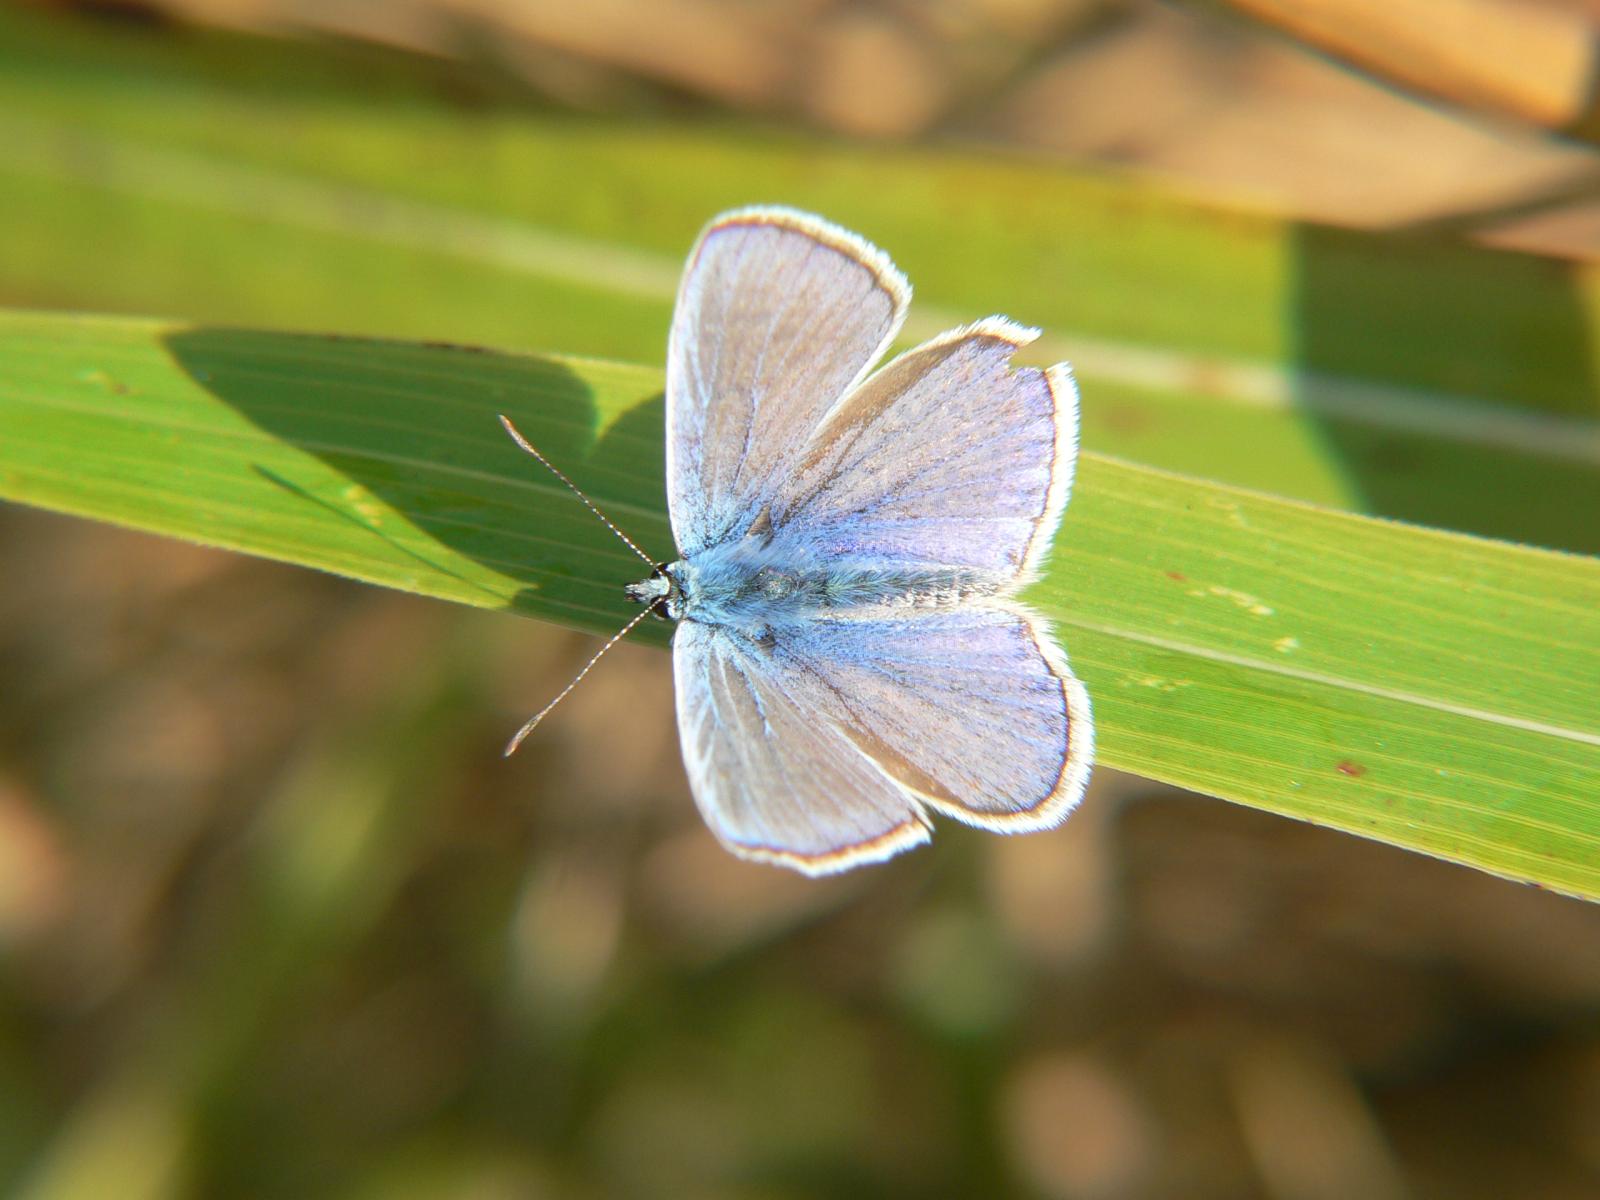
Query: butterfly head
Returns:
{"type": "Point", "coordinates": [661, 591]}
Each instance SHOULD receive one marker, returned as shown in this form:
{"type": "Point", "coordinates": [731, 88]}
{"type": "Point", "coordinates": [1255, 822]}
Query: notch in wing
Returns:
{"type": "Point", "coordinates": [947, 456]}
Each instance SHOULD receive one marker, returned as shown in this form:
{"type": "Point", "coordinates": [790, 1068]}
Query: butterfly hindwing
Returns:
{"type": "Point", "coordinates": [772, 783]}
{"type": "Point", "coordinates": [973, 709]}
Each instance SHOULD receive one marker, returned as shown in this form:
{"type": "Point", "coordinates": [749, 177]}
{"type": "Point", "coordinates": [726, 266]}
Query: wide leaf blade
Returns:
{"type": "Point", "coordinates": [1428, 689]}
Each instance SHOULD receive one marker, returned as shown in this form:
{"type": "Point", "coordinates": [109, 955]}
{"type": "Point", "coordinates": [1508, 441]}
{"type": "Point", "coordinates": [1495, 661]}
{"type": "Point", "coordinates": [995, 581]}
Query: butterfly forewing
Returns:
{"type": "Point", "coordinates": [947, 456]}
{"type": "Point", "coordinates": [778, 315]}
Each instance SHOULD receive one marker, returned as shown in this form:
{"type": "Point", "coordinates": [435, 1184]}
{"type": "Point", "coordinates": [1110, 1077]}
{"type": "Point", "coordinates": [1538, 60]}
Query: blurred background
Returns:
{"type": "Point", "coordinates": [277, 920]}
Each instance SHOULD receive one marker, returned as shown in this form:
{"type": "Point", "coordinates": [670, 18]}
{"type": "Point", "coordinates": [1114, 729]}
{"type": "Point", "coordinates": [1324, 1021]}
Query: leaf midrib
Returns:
{"type": "Point", "coordinates": [1377, 691]}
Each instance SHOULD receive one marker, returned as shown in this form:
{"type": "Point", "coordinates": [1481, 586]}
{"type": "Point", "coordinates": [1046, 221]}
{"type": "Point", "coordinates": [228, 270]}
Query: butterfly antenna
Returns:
{"type": "Point", "coordinates": [590, 505]}
{"type": "Point", "coordinates": [511, 747]}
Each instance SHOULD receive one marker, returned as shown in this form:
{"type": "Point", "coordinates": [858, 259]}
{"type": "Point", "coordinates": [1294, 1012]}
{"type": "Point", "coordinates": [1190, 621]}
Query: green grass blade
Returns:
{"type": "Point", "coordinates": [1427, 689]}
{"type": "Point", "coordinates": [1399, 375]}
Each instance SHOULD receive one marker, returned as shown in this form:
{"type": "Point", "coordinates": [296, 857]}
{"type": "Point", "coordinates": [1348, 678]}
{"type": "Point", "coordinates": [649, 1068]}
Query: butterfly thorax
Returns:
{"type": "Point", "coordinates": [757, 584]}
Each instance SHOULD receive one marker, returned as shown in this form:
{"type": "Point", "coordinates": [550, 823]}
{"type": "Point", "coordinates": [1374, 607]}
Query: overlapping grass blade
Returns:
{"type": "Point", "coordinates": [1402, 376]}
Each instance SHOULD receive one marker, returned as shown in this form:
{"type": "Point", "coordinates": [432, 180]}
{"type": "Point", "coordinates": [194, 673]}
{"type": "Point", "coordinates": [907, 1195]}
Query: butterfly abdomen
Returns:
{"type": "Point", "coordinates": [745, 586]}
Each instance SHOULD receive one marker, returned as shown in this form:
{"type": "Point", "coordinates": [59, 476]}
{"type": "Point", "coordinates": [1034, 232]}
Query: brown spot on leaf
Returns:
{"type": "Point", "coordinates": [1125, 419]}
{"type": "Point", "coordinates": [1204, 376]}
{"type": "Point", "coordinates": [1353, 769]}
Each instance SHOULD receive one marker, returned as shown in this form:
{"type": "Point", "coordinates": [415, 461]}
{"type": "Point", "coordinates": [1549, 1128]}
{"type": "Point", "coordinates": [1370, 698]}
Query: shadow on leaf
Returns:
{"type": "Point", "coordinates": [414, 430]}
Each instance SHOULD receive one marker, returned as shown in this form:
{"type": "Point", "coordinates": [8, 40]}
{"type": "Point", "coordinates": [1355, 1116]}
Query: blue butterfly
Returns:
{"type": "Point", "coordinates": [849, 653]}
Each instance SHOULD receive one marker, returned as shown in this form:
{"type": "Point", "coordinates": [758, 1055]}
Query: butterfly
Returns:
{"type": "Point", "coordinates": [849, 654]}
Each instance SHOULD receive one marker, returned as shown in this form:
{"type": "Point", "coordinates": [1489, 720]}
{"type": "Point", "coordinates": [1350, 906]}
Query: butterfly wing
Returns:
{"type": "Point", "coordinates": [973, 709]}
{"type": "Point", "coordinates": [773, 782]}
{"type": "Point", "coordinates": [946, 456]}
{"type": "Point", "coordinates": [778, 315]}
